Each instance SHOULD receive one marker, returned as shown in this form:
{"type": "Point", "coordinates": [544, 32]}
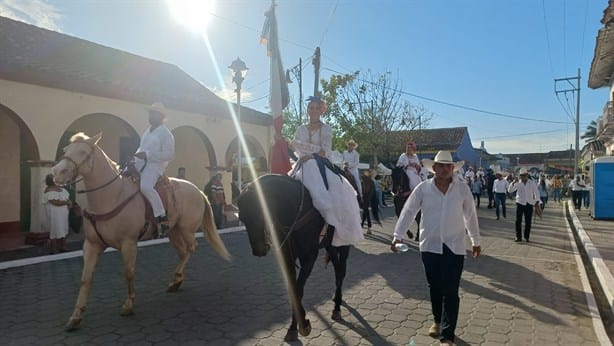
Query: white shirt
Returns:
{"type": "Point", "coordinates": [352, 158]}
{"type": "Point", "coordinates": [500, 186]}
{"type": "Point", "coordinates": [159, 145]}
{"type": "Point", "coordinates": [577, 185]}
{"type": "Point", "coordinates": [526, 193]}
{"type": "Point", "coordinates": [444, 217]}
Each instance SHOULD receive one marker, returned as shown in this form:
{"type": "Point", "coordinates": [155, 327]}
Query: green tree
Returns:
{"type": "Point", "coordinates": [368, 108]}
{"type": "Point", "coordinates": [590, 133]}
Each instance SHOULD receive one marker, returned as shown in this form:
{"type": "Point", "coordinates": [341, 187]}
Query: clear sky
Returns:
{"type": "Point", "coordinates": [488, 55]}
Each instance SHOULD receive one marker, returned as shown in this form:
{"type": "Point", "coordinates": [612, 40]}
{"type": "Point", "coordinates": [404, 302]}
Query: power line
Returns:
{"type": "Point", "coordinates": [460, 106]}
{"type": "Point", "coordinates": [524, 134]}
{"type": "Point", "coordinates": [547, 38]}
{"type": "Point", "coordinates": [330, 19]}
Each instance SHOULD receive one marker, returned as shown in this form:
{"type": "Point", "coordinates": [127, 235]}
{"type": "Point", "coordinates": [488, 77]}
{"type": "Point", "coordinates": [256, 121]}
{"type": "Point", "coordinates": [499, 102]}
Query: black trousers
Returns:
{"type": "Point", "coordinates": [576, 196]}
{"type": "Point", "coordinates": [443, 273]}
{"type": "Point", "coordinates": [527, 212]}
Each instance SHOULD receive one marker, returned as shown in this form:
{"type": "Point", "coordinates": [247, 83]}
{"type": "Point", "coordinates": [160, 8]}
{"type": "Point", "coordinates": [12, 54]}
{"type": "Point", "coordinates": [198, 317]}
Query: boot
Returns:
{"type": "Point", "coordinates": [163, 226]}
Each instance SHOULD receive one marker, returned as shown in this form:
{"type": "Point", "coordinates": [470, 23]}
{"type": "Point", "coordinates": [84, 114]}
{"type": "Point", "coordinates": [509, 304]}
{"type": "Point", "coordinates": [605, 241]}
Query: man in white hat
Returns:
{"type": "Point", "coordinates": [157, 148]}
{"type": "Point", "coordinates": [447, 211]}
{"type": "Point", "coordinates": [351, 158]}
{"type": "Point", "coordinates": [527, 195]}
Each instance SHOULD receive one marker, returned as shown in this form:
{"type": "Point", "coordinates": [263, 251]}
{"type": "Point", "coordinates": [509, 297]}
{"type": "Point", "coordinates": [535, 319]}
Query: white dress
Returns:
{"type": "Point", "coordinates": [415, 177]}
{"type": "Point", "coordinates": [56, 215]}
{"type": "Point", "coordinates": [337, 205]}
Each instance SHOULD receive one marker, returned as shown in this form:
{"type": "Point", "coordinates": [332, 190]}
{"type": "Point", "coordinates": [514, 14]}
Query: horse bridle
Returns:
{"type": "Point", "coordinates": [76, 174]}
{"type": "Point", "coordinates": [75, 171]}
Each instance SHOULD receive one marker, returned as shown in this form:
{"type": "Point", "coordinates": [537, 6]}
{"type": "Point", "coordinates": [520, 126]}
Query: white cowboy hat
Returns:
{"type": "Point", "coordinates": [523, 171]}
{"type": "Point", "coordinates": [157, 107]}
{"type": "Point", "coordinates": [353, 142]}
{"type": "Point", "coordinates": [442, 157]}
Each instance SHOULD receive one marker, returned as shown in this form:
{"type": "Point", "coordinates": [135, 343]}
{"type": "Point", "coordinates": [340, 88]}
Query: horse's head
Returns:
{"type": "Point", "coordinates": [252, 216]}
{"type": "Point", "coordinates": [77, 159]}
{"type": "Point", "coordinates": [399, 179]}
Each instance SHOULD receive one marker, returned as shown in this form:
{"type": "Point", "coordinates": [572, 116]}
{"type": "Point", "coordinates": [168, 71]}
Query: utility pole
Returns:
{"type": "Point", "coordinates": [574, 88]}
{"type": "Point", "coordinates": [316, 66]}
{"type": "Point", "coordinates": [297, 71]}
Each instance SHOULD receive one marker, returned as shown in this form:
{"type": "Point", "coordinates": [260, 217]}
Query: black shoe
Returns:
{"type": "Point", "coordinates": [526, 239]}
{"type": "Point", "coordinates": [518, 240]}
{"type": "Point", "coordinates": [497, 218]}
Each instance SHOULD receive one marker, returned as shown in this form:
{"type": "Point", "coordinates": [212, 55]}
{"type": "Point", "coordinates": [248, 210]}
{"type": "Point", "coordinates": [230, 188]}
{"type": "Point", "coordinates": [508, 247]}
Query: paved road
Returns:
{"type": "Point", "coordinates": [518, 294]}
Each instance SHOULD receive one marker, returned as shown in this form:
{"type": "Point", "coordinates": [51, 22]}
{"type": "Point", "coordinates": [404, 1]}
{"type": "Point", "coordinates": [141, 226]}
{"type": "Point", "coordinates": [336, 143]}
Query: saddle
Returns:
{"type": "Point", "coordinates": [165, 189]}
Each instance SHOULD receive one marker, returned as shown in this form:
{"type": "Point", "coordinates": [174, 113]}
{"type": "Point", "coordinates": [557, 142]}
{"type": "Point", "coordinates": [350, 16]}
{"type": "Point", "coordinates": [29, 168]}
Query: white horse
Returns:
{"type": "Point", "coordinates": [116, 218]}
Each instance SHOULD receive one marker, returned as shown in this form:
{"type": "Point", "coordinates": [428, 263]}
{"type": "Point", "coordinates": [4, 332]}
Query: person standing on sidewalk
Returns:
{"type": "Point", "coordinates": [448, 213]}
{"type": "Point", "coordinates": [499, 188]}
{"type": "Point", "coordinates": [577, 186]}
{"type": "Point", "coordinates": [527, 195]}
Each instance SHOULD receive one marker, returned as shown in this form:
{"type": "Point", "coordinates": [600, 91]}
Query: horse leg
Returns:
{"type": "Point", "coordinates": [128, 251]}
{"type": "Point", "coordinates": [184, 250]}
{"type": "Point", "coordinates": [340, 265]}
{"type": "Point", "coordinates": [296, 289]}
{"type": "Point", "coordinates": [91, 255]}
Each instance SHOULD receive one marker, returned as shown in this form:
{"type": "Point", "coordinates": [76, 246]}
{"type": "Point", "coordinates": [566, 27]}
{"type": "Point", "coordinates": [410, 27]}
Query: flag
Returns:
{"type": "Point", "coordinates": [279, 95]}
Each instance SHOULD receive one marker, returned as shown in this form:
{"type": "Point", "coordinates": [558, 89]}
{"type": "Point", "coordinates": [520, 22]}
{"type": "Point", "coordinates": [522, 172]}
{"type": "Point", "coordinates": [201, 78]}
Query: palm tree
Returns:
{"type": "Point", "coordinates": [591, 132]}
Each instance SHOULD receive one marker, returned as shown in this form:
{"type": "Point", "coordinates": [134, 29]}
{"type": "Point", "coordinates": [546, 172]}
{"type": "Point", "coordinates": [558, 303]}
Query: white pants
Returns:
{"type": "Point", "coordinates": [354, 172]}
{"type": "Point", "coordinates": [149, 177]}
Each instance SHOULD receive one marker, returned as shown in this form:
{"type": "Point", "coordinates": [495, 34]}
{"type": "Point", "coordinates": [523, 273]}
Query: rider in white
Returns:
{"type": "Point", "coordinates": [411, 164]}
{"type": "Point", "coordinates": [352, 158]}
{"type": "Point", "coordinates": [336, 203]}
{"type": "Point", "coordinates": [157, 148]}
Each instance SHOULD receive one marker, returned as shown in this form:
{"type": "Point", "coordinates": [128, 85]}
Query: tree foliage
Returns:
{"type": "Point", "coordinates": [369, 108]}
{"type": "Point", "coordinates": [590, 133]}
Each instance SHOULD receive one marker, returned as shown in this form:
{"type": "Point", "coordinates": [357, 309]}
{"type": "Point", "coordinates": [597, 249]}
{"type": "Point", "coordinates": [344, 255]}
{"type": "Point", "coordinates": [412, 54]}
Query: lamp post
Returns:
{"type": "Point", "coordinates": [239, 70]}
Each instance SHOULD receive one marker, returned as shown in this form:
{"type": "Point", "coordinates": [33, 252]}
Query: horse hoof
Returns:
{"type": "Point", "coordinates": [127, 312]}
{"type": "Point", "coordinates": [305, 329]}
{"type": "Point", "coordinates": [291, 336]}
{"type": "Point", "coordinates": [174, 287]}
{"type": "Point", "coordinates": [73, 324]}
{"type": "Point", "coordinates": [336, 315]}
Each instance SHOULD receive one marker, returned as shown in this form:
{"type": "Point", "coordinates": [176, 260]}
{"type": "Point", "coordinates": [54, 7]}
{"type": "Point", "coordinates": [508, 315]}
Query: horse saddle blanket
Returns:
{"type": "Point", "coordinates": [166, 190]}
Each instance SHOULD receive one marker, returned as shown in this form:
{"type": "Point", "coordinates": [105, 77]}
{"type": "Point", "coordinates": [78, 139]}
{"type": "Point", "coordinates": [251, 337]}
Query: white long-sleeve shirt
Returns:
{"type": "Point", "coordinates": [159, 146]}
{"type": "Point", "coordinates": [445, 217]}
{"type": "Point", "coordinates": [500, 186]}
{"type": "Point", "coordinates": [352, 158]}
{"type": "Point", "coordinates": [526, 193]}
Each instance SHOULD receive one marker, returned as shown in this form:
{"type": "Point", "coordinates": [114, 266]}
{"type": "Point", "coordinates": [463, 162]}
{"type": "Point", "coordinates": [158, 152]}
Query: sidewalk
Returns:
{"type": "Point", "coordinates": [597, 238]}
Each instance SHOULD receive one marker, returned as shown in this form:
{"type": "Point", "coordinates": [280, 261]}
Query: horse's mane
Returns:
{"type": "Point", "coordinates": [81, 137]}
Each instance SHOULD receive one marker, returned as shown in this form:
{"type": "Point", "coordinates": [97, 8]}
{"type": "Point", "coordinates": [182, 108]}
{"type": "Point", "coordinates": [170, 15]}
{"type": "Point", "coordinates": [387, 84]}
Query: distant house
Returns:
{"type": "Point", "coordinates": [429, 141]}
{"type": "Point", "coordinates": [553, 162]}
{"type": "Point", "coordinates": [53, 85]}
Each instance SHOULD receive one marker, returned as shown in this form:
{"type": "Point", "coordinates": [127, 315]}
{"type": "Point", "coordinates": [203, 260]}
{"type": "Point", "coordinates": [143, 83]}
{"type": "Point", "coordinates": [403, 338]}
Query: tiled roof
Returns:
{"type": "Point", "coordinates": [433, 139]}
{"type": "Point", "coordinates": [33, 55]}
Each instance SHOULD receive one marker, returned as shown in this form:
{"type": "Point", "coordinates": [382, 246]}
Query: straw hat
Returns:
{"type": "Point", "coordinates": [353, 142]}
{"type": "Point", "coordinates": [523, 171]}
{"type": "Point", "coordinates": [442, 157]}
{"type": "Point", "coordinates": [157, 107]}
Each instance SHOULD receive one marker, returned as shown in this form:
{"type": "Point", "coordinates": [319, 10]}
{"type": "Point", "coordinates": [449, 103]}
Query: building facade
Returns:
{"type": "Point", "coordinates": [53, 85]}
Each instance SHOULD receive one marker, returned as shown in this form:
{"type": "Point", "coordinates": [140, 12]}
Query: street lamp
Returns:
{"type": "Point", "coordinates": [239, 70]}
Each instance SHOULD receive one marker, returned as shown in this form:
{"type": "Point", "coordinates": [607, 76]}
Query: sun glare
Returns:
{"type": "Point", "coordinates": [194, 14]}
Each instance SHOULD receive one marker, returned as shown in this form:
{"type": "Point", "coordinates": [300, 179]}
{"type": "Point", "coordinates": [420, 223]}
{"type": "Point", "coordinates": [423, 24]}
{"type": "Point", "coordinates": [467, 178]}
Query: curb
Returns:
{"type": "Point", "coordinates": [73, 254]}
{"type": "Point", "coordinates": [606, 280]}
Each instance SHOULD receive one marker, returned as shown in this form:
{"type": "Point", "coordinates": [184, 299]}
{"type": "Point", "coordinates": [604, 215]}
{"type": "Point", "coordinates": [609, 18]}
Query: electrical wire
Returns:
{"type": "Point", "coordinates": [477, 110]}
{"type": "Point", "coordinates": [547, 38]}
{"type": "Point", "coordinates": [330, 19]}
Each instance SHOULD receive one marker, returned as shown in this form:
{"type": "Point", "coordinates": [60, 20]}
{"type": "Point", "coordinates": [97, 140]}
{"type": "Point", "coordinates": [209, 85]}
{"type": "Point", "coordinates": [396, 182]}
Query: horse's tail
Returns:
{"type": "Point", "coordinates": [210, 232]}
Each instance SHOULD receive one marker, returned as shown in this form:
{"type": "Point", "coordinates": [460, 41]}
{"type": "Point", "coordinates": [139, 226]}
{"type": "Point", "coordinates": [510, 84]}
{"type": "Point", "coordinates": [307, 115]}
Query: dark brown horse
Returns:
{"type": "Point", "coordinates": [401, 191]}
{"type": "Point", "coordinates": [293, 227]}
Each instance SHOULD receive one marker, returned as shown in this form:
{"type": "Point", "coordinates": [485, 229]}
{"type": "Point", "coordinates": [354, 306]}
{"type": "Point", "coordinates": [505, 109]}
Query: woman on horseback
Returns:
{"type": "Point", "coordinates": [332, 194]}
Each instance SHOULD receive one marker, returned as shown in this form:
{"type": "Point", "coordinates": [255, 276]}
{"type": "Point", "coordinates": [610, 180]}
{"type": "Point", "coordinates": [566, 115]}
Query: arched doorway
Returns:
{"type": "Point", "coordinates": [255, 155]}
{"type": "Point", "coordinates": [194, 155]}
{"type": "Point", "coordinates": [19, 153]}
